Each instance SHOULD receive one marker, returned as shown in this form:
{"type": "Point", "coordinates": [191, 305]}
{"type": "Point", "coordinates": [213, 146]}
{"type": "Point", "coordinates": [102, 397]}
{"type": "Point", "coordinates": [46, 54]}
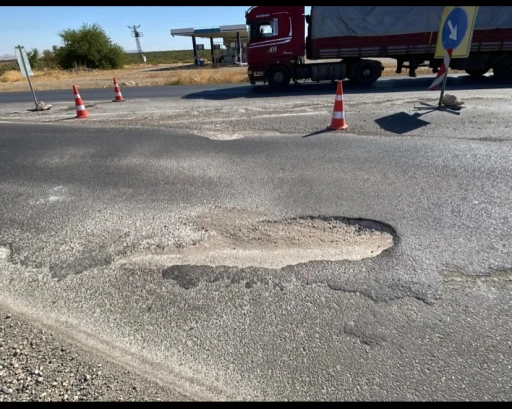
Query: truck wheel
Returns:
{"type": "Point", "coordinates": [278, 77]}
{"type": "Point", "coordinates": [476, 73]}
{"type": "Point", "coordinates": [366, 72]}
{"type": "Point", "coordinates": [503, 70]}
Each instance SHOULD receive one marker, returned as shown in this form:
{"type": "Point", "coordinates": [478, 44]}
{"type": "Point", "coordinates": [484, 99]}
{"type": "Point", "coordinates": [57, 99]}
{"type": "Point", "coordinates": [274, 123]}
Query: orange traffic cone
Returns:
{"type": "Point", "coordinates": [81, 112]}
{"type": "Point", "coordinates": [117, 92]}
{"type": "Point", "coordinates": [338, 113]}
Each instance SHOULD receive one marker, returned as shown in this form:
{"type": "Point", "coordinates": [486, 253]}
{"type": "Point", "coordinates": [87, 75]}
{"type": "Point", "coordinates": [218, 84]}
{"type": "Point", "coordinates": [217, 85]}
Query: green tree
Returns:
{"type": "Point", "coordinates": [33, 58]}
{"type": "Point", "coordinates": [89, 46]}
{"type": "Point", "coordinates": [49, 60]}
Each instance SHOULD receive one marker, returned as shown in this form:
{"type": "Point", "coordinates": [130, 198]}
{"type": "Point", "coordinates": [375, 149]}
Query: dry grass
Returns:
{"type": "Point", "coordinates": [177, 74]}
{"type": "Point", "coordinates": [219, 76]}
{"type": "Point", "coordinates": [173, 74]}
{"type": "Point", "coordinates": [11, 76]}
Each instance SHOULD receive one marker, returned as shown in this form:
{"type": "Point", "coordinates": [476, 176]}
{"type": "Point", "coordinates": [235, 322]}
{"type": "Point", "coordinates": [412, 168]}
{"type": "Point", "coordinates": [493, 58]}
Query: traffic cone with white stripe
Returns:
{"type": "Point", "coordinates": [117, 92]}
{"type": "Point", "coordinates": [81, 112]}
{"type": "Point", "coordinates": [338, 113]}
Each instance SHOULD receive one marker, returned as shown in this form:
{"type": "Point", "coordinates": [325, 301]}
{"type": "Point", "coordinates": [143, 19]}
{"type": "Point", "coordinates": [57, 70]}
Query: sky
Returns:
{"type": "Point", "coordinates": [38, 27]}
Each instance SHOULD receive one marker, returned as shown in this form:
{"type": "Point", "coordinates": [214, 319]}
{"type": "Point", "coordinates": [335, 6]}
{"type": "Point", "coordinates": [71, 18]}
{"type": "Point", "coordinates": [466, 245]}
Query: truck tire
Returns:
{"type": "Point", "coordinates": [278, 77]}
{"type": "Point", "coordinates": [476, 73]}
{"type": "Point", "coordinates": [503, 70]}
{"type": "Point", "coordinates": [366, 72]}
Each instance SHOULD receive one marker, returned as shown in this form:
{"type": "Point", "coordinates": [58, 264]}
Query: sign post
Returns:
{"type": "Point", "coordinates": [446, 64]}
{"type": "Point", "coordinates": [453, 40]}
{"type": "Point", "coordinates": [26, 71]}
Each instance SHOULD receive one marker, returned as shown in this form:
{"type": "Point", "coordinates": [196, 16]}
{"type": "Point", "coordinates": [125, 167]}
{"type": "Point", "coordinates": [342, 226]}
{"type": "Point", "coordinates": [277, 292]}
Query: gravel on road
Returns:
{"type": "Point", "coordinates": [38, 365]}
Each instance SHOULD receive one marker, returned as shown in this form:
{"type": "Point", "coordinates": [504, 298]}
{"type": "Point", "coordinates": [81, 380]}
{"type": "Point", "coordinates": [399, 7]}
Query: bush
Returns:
{"type": "Point", "coordinates": [49, 60]}
{"type": "Point", "coordinates": [33, 58]}
{"type": "Point", "coordinates": [8, 66]}
{"type": "Point", "coordinates": [88, 46]}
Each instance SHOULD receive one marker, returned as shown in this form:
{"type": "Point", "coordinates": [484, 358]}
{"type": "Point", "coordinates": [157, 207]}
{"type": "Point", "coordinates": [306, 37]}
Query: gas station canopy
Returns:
{"type": "Point", "coordinates": [227, 33]}
{"type": "Point", "coordinates": [233, 36]}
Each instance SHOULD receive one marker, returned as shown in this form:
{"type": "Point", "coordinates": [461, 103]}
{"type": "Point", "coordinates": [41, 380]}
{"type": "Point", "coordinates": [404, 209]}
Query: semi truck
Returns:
{"type": "Point", "coordinates": [347, 42]}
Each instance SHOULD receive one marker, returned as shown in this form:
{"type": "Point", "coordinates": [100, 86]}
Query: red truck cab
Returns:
{"type": "Point", "coordinates": [348, 42]}
{"type": "Point", "coordinates": [276, 42]}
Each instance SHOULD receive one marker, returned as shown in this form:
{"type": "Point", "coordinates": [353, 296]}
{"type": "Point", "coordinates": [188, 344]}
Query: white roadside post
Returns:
{"type": "Point", "coordinates": [26, 71]}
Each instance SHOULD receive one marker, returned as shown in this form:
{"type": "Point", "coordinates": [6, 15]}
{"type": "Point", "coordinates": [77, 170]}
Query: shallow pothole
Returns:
{"type": "Point", "coordinates": [5, 253]}
{"type": "Point", "coordinates": [245, 239]}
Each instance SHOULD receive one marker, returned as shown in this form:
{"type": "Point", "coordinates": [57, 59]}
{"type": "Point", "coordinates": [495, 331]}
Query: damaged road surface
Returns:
{"type": "Point", "coordinates": [266, 266]}
{"type": "Point", "coordinates": [243, 239]}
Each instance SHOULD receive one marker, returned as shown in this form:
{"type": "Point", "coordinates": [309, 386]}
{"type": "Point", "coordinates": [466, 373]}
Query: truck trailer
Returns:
{"type": "Point", "coordinates": [340, 42]}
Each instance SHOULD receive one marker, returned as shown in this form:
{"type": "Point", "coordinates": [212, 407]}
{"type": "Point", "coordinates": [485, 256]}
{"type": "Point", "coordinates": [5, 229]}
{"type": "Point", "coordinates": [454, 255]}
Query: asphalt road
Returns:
{"type": "Point", "coordinates": [428, 319]}
{"type": "Point", "coordinates": [223, 92]}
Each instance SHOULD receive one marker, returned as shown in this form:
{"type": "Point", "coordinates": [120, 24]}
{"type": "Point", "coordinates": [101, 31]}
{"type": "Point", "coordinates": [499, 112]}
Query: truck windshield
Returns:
{"type": "Point", "coordinates": [261, 29]}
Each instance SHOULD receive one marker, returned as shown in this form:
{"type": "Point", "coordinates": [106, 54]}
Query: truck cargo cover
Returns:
{"type": "Point", "coordinates": [336, 21]}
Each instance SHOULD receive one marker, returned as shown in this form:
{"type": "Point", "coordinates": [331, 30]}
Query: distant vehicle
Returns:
{"type": "Point", "coordinates": [351, 34]}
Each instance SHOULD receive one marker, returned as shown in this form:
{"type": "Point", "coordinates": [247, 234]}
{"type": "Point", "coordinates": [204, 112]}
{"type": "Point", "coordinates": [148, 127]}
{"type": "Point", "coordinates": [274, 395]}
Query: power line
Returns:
{"type": "Point", "coordinates": [137, 34]}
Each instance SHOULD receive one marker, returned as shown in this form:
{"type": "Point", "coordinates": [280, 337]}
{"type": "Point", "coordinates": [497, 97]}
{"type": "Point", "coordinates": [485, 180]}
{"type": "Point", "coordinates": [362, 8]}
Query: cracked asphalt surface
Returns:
{"type": "Point", "coordinates": [427, 319]}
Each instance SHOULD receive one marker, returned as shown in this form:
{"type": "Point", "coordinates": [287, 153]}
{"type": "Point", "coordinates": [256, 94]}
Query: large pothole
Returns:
{"type": "Point", "coordinates": [246, 239]}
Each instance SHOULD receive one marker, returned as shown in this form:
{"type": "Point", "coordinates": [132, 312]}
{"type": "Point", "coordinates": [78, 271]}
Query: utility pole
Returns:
{"type": "Point", "coordinates": [137, 34]}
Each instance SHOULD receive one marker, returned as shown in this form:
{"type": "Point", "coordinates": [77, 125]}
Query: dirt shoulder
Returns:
{"type": "Point", "coordinates": [141, 75]}
{"type": "Point", "coordinates": [38, 365]}
{"type": "Point", "coordinates": [170, 74]}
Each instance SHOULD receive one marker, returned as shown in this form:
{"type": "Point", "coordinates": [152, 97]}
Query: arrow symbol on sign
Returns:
{"type": "Point", "coordinates": [453, 31]}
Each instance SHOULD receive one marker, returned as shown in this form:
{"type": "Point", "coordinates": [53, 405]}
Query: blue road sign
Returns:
{"type": "Point", "coordinates": [454, 29]}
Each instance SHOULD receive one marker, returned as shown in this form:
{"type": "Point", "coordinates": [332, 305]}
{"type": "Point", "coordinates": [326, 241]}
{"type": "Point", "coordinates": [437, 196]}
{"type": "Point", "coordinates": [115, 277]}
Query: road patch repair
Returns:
{"type": "Point", "coordinates": [239, 238]}
{"type": "Point", "coordinates": [302, 111]}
